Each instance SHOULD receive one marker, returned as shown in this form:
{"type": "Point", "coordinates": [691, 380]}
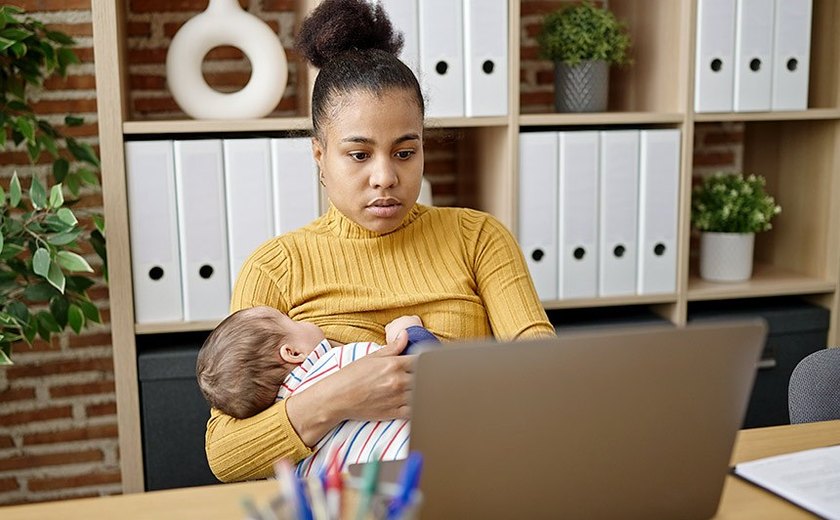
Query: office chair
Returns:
{"type": "Point", "coordinates": [814, 388]}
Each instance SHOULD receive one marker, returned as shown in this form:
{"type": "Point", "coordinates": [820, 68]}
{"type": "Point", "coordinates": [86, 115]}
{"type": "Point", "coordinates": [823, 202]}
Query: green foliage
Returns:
{"type": "Point", "coordinates": [729, 203]}
{"type": "Point", "coordinates": [583, 32]}
{"type": "Point", "coordinates": [41, 292]}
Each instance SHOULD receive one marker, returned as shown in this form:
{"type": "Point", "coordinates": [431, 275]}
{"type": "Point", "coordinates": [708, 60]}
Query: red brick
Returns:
{"type": "Point", "coordinates": [85, 54]}
{"type": "Point", "coordinates": [224, 52]}
{"type": "Point", "coordinates": [53, 5]}
{"type": "Point", "coordinates": [61, 367]}
{"type": "Point", "coordinates": [40, 345]}
{"type": "Point", "coordinates": [6, 441]}
{"type": "Point", "coordinates": [9, 484]}
{"type": "Point", "coordinates": [64, 106]}
{"type": "Point", "coordinates": [96, 387]}
{"type": "Point", "coordinates": [73, 29]}
{"type": "Point", "coordinates": [536, 98]}
{"type": "Point", "coordinates": [714, 158]}
{"type": "Point", "coordinates": [97, 293]}
{"type": "Point", "coordinates": [533, 29]}
{"type": "Point", "coordinates": [227, 80]}
{"type": "Point", "coordinates": [41, 414]}
{"type": "Point", "coordinates": [86, 130]}
{"type": "Point", "coordinates": [440, 166]}
{"type": "Point", "coordinates": [165, 6]}
{"type": "Point", "coordinates": [17, 394]}
{"type": "Point", "coordinates": [81, 480]}
{"type": "Point", "coordinates": [98, 410]}
{"type": "Point", "coordinates": [545, 77]}
{"type": "Point", "coordinates": [90, 340]}
{"type": "Point", "coordinates": [531, 53]}
{"type": "Point", "coordinates": [151, 105]}
{"type": "Point", "coordinates": [51, 459]}
{"type": "Point", "coordinates": [105, 314]}
{"type": "Point", "coordinates": [104, 431]}
{"type": "Point", "coordinates": [279, 5]}
{"type": "Point", "coordinates": [82, 82]}
{"type": "Point", "coordinates": [723, 138]}
{"type": "Point", "coordinates": [138, 28]}
{"type": "Point", "coordinates": [136, 56]}
{"type": "Point", "coordinates": [146, 82]}
{"type": "Point", "coordinates": [530, 7]}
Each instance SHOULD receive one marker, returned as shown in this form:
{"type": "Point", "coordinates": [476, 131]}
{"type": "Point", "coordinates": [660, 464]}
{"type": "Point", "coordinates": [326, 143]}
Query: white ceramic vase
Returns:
{"type": "Point", "coordinates": [726, 257]}
{"type": "Point", "coordinates": [225, 23]}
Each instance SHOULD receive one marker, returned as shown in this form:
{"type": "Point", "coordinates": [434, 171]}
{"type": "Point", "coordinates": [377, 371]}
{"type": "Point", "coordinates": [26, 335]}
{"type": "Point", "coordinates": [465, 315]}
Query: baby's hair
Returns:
{"type": "Point", "coordinates": [356, 48]}
{"type": "Point", "coordinates": [238, 369]}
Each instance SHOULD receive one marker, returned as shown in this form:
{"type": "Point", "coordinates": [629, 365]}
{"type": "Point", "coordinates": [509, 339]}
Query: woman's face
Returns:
{"type": "Point", "coordinates": [371, 157]}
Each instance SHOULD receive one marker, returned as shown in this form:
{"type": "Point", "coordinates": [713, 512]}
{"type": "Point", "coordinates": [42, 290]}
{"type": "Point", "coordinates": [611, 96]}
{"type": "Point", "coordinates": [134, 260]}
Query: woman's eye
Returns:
{"type": "Point", "coordinates": [359, 156]}
{"type": "Point", "coordinates": [404, 154]}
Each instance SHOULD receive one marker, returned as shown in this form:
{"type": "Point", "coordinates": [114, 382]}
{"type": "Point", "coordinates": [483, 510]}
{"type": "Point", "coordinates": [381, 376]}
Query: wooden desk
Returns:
{"type": "Point", "coordinates": [740, 499]}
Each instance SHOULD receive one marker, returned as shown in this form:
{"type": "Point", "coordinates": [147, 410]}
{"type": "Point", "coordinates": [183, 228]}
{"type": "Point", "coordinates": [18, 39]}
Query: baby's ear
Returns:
{"type": "Point", "coordinates": [291, 355]}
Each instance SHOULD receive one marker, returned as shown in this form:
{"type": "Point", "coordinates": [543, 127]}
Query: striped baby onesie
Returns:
{"type": "Point", "coordinates": [356, 441]}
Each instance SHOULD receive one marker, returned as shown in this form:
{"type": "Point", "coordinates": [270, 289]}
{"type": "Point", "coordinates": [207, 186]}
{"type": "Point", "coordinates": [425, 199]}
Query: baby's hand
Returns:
{"type": "Point", "coordinates": [400, 324]}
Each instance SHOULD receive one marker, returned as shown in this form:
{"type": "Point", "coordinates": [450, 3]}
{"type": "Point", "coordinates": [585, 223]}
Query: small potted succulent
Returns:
{"type": "Point", "coordinates": [728, 209]}
{"type": "Point", "coordinates": [583, 41]}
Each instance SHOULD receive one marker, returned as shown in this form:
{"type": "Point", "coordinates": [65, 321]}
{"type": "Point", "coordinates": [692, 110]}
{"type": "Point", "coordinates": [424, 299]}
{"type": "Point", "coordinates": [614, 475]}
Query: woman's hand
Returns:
{"type": "Point", "coordinates": [376, 387]}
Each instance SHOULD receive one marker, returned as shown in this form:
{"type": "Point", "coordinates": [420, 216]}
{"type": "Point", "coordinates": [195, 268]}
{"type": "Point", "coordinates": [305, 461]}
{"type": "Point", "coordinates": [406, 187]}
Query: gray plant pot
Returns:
{"type": "Point", "coordinates": [582, 87]}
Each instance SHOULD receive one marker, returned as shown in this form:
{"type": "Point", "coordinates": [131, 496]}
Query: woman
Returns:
{"type": "Point", "coordinates": [375, 254]}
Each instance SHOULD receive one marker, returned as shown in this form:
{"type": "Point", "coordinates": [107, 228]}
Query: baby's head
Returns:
{"type": "Point", "coordinates": [243, 362]}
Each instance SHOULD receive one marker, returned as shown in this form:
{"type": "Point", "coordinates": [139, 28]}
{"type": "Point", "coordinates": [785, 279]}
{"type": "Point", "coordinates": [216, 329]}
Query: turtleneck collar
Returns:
{"type": "Point", "coordinates": [343, 227]}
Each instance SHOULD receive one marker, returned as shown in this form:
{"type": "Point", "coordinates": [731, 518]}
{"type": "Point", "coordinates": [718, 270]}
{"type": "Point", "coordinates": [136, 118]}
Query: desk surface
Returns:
{"type": "Point", "coordinates": [740, 499]}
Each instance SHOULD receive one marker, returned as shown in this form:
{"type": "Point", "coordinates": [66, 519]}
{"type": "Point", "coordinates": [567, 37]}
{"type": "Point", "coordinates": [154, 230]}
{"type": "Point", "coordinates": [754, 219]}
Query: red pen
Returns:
{"type": "Point", "coordinates": [334, 486]}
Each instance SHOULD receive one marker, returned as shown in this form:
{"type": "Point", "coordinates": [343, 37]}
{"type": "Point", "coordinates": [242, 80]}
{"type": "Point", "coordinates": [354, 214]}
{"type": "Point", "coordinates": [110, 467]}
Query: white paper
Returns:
{"type": "Point", "coordinates": [809, 478]}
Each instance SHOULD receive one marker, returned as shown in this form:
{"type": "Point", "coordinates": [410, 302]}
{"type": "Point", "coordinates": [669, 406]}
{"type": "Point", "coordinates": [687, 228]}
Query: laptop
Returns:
{"type": "Point", "coordinates": [628, 423]}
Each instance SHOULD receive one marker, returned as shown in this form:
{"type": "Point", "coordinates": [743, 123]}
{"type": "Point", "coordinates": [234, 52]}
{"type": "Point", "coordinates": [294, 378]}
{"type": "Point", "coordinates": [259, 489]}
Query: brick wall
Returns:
{"type": "Point", "coordinates": [58, 432]}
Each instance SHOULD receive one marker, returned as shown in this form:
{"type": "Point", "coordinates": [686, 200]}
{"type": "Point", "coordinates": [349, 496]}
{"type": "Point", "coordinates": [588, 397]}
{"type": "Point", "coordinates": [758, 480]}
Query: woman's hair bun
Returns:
{"type": "Point", "coordinates": [336, 26]}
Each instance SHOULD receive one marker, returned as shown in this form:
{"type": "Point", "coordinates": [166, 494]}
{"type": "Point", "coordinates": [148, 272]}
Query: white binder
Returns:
{"type": "Point", "coordinates": [442, 57]}
{"type": "Point", "coordinates": [753, 55]}
{"type": "Point", "coordinates": [714, 70]}
{"type": "Point", "coordinates": [538, 219]}
{"type": "Point", "coordinates": [485, 57]}
{"type": "Point", "coordinates": [403, 15]}
{"type": "Point", "coordinates": [153, 226]}
{"type": "Point", "coordinates": [659, 182]}
{"type": "Point", "coordinates": [205, 273]}
{"type": "Point", "coordinates": [578, 211]}
{"type": "Point", "coordinates": [249, 202]}
{"type": "Point", "coordinates": [296, 195]}
{"type": "Point", "coordinates": [791, 54]}
{"type": "Point", "coordinates": [619, 210]}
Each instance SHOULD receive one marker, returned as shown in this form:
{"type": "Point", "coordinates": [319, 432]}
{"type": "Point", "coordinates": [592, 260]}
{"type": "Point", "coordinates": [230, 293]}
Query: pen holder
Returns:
{"type": "Point", "coordinates": [377, 509]}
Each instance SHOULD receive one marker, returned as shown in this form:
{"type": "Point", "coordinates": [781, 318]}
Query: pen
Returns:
{"type": "Point", "coordinates": [318, 498]}
{"type": "Point", "coordinates": [250, 508]}
{"type": "Point", "coordinates": [370, 481]}
{"type": "Point", "coordinates": [285, 481]}
{"type": "Point", "coordinates": [409, 479]}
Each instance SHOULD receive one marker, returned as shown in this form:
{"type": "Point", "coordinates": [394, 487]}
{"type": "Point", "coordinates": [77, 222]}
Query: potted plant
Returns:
{"type": "Point", "coordinates": [43, 279]}
{"type": "Point", "coordinates": [728, 210]}
{"type": "Point", "coordinates": [583, 41]}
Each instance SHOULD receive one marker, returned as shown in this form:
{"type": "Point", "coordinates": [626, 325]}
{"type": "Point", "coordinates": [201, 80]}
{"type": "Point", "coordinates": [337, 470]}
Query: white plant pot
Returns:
{"type": "Point", "coordinates": [726, 257]}
{"type": "Point", "coordinates": [225, 23]}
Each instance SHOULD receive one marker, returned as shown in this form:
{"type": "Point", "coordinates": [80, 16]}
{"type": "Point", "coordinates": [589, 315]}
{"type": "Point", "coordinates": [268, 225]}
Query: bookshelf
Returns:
{"type": "Point", "coordinates": [798, 152]}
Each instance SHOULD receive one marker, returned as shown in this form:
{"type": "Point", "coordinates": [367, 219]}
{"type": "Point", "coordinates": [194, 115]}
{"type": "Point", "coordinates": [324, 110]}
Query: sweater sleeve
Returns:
{"type": "Point", "coordinates": [505, 285]}
{"type": "Point", "coordinates": [247, 449]}
{"type": "Point", "coordinates": [242, 449]}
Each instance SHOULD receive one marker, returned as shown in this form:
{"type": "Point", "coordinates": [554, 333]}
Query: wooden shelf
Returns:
{"type": "Point", "coordinates": [766, 280]}
{"type": "Point", "coordinates": [804, 115]}
{"type": "Point", "coordinates": [176, 326]}
{"type": "Point", "coordinates": [601, 118]}
{"type": "Point", "coordinates": [465, 122]}
{"type": "Point", "coordinates": [612, 301]}
{"type": "Point", "coordinates": [195, 126]}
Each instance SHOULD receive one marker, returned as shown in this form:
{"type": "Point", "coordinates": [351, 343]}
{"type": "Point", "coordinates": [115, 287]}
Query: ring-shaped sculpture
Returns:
{"type": "Point", "coordinates": [225, 23]}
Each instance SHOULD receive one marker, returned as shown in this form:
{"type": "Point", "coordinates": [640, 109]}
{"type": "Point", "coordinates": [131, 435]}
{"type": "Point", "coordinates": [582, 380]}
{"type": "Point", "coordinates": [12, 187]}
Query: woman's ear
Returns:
{"type": "Point", "coordinates": [317, 152]}
{"type": "Point", "coordinates": [291, 355]}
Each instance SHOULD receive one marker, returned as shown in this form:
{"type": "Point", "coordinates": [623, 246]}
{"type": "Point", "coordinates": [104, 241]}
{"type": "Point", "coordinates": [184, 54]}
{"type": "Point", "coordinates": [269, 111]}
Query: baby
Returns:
{"type": "Point", "coordinates": [259, 355]}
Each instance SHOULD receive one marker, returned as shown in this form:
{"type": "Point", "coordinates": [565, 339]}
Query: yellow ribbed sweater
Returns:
{"type": "Point", "coordinates": [460, 270]}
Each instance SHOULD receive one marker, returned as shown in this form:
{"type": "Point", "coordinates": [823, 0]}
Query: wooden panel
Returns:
{"type": "Point", "coordinates": [611, 301]}
{"type": "Point", "coordinates": [824, 82]}
{"type": "Point", "coordinates": [655, 81]}
{"type": "Point", "coordinates": [601, 118]}
{"type": "Point", "coordinates": [767, 280]}
{"type": "Point", "coordinates": [805, 115]}
{"type": "Point", "coordinates": [179, 326]}
{"type": "Point", "coordinates": [108, 22]}
{"type": "Point", "coordinates": [799, 160]}
{"type": "Point", "coordinates": [485, 173]}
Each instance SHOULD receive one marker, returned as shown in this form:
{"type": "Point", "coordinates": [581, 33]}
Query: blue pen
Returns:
{"type": "Point", "coordinates": [304, 509]}
{"type": "Point", "coordinates": [409, 480]}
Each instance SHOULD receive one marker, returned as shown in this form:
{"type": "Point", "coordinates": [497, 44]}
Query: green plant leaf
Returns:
{"type": "Point", "coordinates": [38, 194]}
{"type": "Point", "coordinates": [73, 184]}
{"type": "Point", "coordinates": [73, 262]}
{"type": "Point", "coordinates": [62, 239]}
{"type": "Point", "coordinates": [66, 215]}
{"type": "Point", "coordinates": [19, 311]}
{"type": "Point", "coordinates": [88, 177]}
{"type": "Point", "coordinates": [49, 321]}
{"type": "Point", "coordinates": [76, 318]}
{"type": "Point", "coordinates": [56, 277]}
{"type": "Point", "coordinates": [18, 49]}
{"type": "Point", "coordinates": [15, 193]}
{"type": "Point", "coordinates": [90, 310]}
{"type": "Point", "coordinates": [82, 151]}
{"type": "Point", "coordinates": [59, 306]}
{"type": "Point", "coordinates": [2, 195]}
{"type": "Point", "coordinates": [79, 284]}
{"type": "Point", "coordinates": [10, 250]}
{"type": "Point", "coordinates": [41, 262]}
{"type": "Point", "coordinates": [73, 120]}
{"type": "Point", "coordinates": [56, 197]}
{"type": "Point", "coordinates": [4, 357]}
{"type": "Point", "coordinates": [39, 292]}
{"type": "Point", "coordinates": [2, 243]}
{"type": "Point", "coordinates": [60, 37]}
{"type": "Point", "coordinates": [99, 222]}
{"type": "Point", "coordinates": [60, 169]}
